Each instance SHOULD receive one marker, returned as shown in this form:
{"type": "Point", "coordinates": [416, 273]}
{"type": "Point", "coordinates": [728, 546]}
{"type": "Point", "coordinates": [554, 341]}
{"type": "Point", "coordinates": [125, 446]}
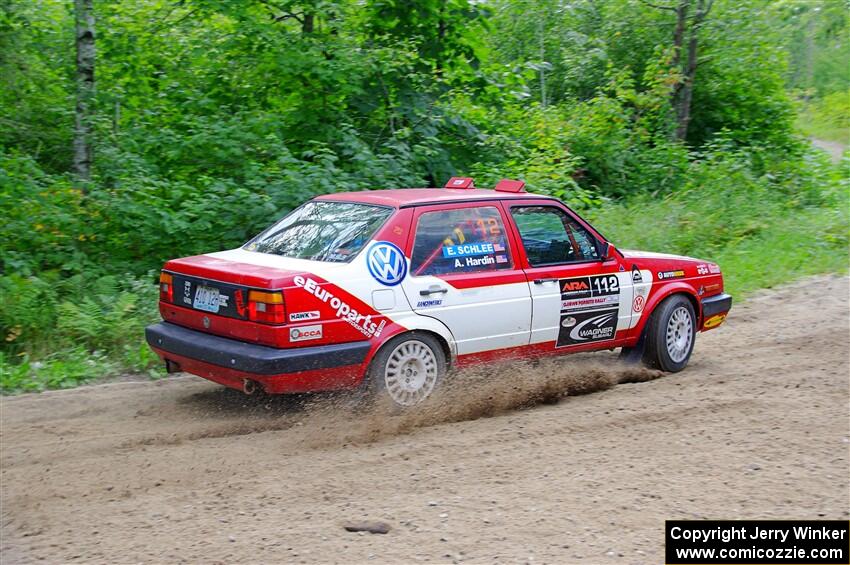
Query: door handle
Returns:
{"type": "Point", "coordinates": [433, 290]}
{"type": "Point", "coordinates": [541, 281]}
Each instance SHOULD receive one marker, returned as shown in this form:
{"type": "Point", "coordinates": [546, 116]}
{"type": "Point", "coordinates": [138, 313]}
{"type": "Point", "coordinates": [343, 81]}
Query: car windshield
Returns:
{"type": "Point", "coordinates": [322, 231]}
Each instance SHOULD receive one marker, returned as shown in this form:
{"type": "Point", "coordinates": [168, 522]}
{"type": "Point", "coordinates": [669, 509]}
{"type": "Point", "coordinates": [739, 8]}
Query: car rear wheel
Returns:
{"type": "Point", "coordinates": [670, 335]}
{"type": "Point", "coordinates": [407, 370]}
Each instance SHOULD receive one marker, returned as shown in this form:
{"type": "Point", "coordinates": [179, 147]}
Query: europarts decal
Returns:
{"type": "Point", "coordinates": [362, 323]}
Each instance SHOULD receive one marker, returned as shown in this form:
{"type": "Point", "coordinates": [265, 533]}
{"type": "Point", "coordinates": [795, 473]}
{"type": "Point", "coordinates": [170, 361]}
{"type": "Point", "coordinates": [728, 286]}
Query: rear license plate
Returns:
{"type": "Point", "coordinates": [206, 299]}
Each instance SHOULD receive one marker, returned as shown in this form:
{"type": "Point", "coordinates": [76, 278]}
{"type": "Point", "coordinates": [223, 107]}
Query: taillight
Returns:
{"type": "Point", "coordinates": [166, 288]}
{"type": "Point", "coordinates": [266, 307]}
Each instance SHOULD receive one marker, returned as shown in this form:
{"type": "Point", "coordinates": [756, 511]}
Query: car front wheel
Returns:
{"type": "Point", "coordinates": [670, 335]}
{"type": "Point", "coordinates": [407, 370]}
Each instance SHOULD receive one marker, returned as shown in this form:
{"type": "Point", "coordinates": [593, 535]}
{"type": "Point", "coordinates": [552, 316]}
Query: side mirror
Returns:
{"type": "Point", "coordinates": [608, 251]}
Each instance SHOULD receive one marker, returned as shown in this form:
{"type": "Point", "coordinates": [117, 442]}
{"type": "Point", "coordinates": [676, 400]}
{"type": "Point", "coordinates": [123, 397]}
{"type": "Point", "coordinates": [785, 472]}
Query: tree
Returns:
{"type": "Point", "coordinates": [690, 17]}
{"type": "Point", "coordinates": [84, 16]}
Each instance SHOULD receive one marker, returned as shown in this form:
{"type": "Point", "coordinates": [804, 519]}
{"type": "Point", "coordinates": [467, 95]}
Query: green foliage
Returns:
{"type": "Point", "coordinates": [60, 332]}
{"type": "Point", "coordinates": [763, 230]}
{"type": "Point", "coordinates": [827, 117]}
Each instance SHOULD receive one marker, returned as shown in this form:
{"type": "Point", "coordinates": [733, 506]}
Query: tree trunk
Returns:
{"type": "Point", "coordinates": [541, 32]}
{"type": "Point", "coordinates": [682, 101]}
{"type": "Point", "coordinates": [307, 24]}
{"type": "Point", "coordinates": [679, 33]}
{"type": "Point", "coordinates": [84, 13]}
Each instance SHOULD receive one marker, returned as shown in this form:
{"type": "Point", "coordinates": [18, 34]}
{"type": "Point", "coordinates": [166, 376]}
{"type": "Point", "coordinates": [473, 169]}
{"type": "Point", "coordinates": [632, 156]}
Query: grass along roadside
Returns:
{"type": "Point", "coordinates": [827, 118]}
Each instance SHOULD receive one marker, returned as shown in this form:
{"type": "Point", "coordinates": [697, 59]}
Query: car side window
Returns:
{"type": "Point", "coordinates": [550, 236]}
{"type": "Point", "coordinates": [464, 240]}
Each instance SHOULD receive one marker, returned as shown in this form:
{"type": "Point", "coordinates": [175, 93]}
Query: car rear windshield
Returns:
{"type": "Point", "coordinates": [322, 231]}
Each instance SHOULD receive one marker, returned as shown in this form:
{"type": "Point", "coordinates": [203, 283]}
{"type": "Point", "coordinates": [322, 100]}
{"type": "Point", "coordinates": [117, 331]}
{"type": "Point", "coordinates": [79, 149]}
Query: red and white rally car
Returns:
{"type": "Point", "coordinates": [386, 289]}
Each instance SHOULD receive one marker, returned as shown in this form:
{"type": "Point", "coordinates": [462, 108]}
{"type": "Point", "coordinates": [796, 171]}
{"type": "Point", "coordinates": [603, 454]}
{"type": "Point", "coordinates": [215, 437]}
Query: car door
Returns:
{"type": "Point", "coordinates": [580, 299]}
{"type": "Point", "coordinates": [464, 272]}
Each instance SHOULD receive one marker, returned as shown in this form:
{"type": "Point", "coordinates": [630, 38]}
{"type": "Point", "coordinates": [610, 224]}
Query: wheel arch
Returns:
{"type": "Point", "coordinates": [417, 324]}
{"type": "Point", "coordinates": [665, 293]}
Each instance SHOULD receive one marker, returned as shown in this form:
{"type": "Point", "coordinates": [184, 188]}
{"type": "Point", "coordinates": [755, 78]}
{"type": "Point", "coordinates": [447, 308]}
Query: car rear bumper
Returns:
{"type": "Point", "coordinates": [714, 310]}
{"type": "Point", "coordinates": [170, 340]}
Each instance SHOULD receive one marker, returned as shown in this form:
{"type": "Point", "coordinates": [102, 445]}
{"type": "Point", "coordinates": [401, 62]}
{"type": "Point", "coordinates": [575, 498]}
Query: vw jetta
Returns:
{"type": "Point", "coordinates": [387, 289]}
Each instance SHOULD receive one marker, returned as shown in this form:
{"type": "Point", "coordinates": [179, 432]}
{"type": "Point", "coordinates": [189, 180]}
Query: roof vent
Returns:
{"type": "Point", "coordinates": [460, 182]}
{"type": "Point", "coordinates": [508, 185]}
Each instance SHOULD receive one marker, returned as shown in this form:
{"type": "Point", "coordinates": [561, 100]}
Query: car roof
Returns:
{"type": "Point", "coordinates": [406, 197]}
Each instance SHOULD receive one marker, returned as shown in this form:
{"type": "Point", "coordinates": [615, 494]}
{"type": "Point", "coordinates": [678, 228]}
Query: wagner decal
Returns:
{"type": "Point", "coordinates": [665, 275]}
{"type": "Point", "coordinates": [304, 333]}
{"type": "Point", "coordinates": [362, 323]}
{"type": "Point", "coordinates": [582, 293]}
{"type": "Point", "coordinates": [588, 327]}
{"type": "Point", "coordinates": [302, 316]}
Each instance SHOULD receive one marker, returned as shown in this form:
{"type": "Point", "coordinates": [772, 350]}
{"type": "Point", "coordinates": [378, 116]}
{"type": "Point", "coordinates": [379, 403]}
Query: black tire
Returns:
{"type": "Point", "coordinates": [670, 353]}
{"type": "Point", "coordinates": [404, 385]}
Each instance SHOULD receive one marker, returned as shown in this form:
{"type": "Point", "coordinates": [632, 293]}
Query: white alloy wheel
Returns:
{"type": "Point", "coordinates": [679, 334]}
{"type": "Point", "coordinates": [410, 372]}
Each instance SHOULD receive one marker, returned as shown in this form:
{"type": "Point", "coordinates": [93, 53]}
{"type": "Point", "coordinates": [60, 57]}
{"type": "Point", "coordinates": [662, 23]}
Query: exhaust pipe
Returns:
{"type": "Point", "coordinates": [249, 387]}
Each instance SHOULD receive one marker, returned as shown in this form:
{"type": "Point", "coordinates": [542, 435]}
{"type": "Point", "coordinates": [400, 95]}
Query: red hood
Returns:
{"type": "Point", "coordinates": [635, 254]}
{"type": "Point", "coordinates": [658, 262]}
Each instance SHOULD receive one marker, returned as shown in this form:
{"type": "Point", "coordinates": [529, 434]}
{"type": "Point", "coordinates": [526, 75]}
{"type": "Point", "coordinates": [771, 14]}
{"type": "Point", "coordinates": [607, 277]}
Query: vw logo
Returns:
{"type": "Point", "coordinates": [386, 263]}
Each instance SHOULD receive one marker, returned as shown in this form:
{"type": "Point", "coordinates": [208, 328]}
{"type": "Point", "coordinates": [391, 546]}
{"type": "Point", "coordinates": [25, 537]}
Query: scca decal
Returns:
{"type": "Point", "coordinates": [386, 263]}
{"type": "Point", "coordinates": [305, 333]}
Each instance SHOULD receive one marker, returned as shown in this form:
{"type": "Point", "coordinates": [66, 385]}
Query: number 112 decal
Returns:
{"type": "Point", "coordinates": [592, 293]}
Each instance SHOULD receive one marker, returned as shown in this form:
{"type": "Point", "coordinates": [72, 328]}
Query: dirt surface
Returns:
{"type": "Point", "coordinates": [504, 470]}
{"type": "Point", "coordinates": [834, 148]}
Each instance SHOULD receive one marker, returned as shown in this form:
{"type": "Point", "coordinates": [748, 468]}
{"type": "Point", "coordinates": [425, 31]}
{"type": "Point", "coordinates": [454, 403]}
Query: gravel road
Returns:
{"type": "Point", "coordinates": [565, 461]}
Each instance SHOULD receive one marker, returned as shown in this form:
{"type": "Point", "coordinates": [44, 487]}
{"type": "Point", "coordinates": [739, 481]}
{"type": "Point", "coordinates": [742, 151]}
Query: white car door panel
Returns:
{"type": "Point", "coordinates": [463, 273]}
{"type": "Point", "coordinates": [578, 298]}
